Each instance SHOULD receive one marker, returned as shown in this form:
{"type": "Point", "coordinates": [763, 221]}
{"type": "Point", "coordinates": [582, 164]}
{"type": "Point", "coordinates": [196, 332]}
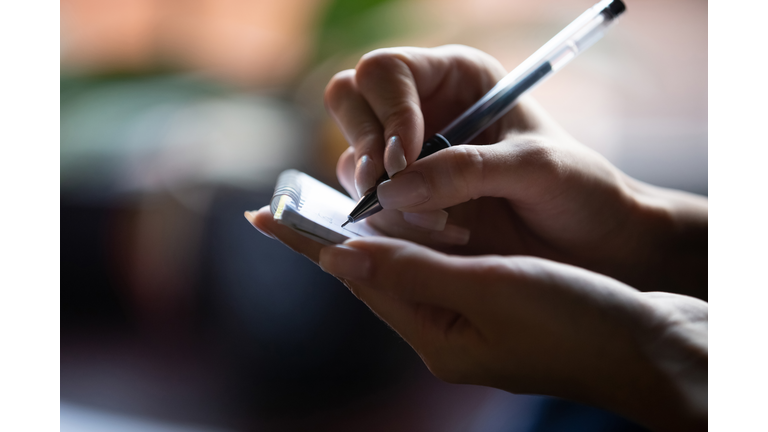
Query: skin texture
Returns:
{"type": "Point", "coordinates": [529, 188]}
{"type": "Point", "coordinates": [529, 325]}
{"type": "Point", "coordinates": [517, 256]}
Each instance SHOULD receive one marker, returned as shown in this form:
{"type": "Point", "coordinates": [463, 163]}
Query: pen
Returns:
{"type": "Point", "coordinates": [579, 35]}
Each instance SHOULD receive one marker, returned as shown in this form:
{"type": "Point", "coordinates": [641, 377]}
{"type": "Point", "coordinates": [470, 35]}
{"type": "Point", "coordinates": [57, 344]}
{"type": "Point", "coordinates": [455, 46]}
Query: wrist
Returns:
{"type": "Point", "coordinates": [660, 374]}
{"type": "Point", "coordinates": [668, 238]}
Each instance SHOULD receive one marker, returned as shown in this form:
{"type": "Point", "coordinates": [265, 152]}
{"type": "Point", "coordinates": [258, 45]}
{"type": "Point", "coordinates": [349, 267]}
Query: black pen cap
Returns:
{"type": "Point", "coordinates": [615, 9]}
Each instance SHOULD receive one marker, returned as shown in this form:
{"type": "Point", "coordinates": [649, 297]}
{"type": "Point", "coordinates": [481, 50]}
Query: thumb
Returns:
{"type": "Point", "coordinates": [422, 294]}
{"type": "Point", "coordinates": [401, 269]}
{"type": "Point", "coordinates": [524, 168]}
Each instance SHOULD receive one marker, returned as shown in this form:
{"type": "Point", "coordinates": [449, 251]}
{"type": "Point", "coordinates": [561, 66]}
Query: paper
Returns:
{"type": "Point", "coordinates": [315, 209]}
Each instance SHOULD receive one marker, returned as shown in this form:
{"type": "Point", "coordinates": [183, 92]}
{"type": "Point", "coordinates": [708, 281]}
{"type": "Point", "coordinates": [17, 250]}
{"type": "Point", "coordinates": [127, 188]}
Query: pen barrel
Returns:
{"type": "Point", "coordinates": [488, 109]}
{"type": "Point", "coordinates": [434, 145]}
{"type": "Point", "coordinates": [561, 49]}
{"type": "Point", "coordinates": [579, 35]}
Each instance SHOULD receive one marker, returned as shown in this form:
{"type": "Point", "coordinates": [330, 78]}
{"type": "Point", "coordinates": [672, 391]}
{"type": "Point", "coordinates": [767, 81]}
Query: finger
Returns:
{"type": "Point", "coordinates": [263, 221]}
{"type": "Point", "coordinates": [423, 308]}
{"type": "Point", "coordinates": [404, 270]}
{"type": "Point", "coordinates": [393, 224]}
{"type": "Point", "coordinates": [251, 217]}
{"type": "Point", "coordinates": [429, 228]}
{"type": "Point", "coordinates": [387, 84]}
{"type": "Point", "coordinates": [523, 168]}
{"type": "Point", "coordinates": [451, 235]}
{"type": "Point", "coordinates": [437, 334]}
{"type": "Point", "coordinates": [433, 220]}
{"type": "Point", "coordinates": [345, 172]}
{"type": "Point", "coordinates": [410, 89]}
{"type": "Point", "coordinates": [360, 127]}
{"type": "Point", "coordinates": [402, 315]}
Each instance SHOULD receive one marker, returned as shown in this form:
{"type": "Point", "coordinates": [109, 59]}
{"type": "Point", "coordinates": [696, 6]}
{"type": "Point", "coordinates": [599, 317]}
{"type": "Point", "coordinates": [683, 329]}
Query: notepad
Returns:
{"type": "Point", "coordinates": [315, 209]}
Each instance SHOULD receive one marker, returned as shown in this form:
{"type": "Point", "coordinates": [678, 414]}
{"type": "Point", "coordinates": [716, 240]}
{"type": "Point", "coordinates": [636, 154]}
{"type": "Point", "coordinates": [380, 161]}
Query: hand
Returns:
{"type": "Point", "coordinates": [529, 325]}
{"type": "Point", "coordinates": [531, 190]}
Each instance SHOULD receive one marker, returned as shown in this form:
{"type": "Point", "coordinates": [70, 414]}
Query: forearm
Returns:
{"type": "Point", "coordinates": [676, 348]}
{"type": "Point", "coordinates": [644, 358]}
{"type": "Point", "coordinates": [660, 371]}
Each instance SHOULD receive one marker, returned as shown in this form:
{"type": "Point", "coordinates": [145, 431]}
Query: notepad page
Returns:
{"type": "Point", "coordinates": [320, 210]}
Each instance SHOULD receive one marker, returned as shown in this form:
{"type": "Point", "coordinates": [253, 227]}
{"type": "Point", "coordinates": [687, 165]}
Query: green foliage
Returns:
{"type": "Point", "coordinates": [353, 25]}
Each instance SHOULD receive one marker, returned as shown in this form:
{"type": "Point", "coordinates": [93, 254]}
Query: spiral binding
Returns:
{"type": "Point", "coordinates": [289, 184]}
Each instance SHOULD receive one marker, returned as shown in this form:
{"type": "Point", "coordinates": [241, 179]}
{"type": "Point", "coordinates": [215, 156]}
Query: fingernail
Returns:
{"type": "Point", "coordinates": [345, 262]}
{"type": "Point", "coordinates": [365, 175]}
{"type": "Point", "coordinates": [405, 190]}
{"type": "Point", "coordinates": [451, 234]}
{"type": "Point", "coordinates": [251, 217]}
{"type": "Point", "coordinates": [394, 156]}
{"type": "Point", "coordinates": [434, 220]}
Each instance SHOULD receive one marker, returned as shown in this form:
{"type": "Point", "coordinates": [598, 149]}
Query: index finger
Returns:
{"type": "Point", "coordinates": [398, 82]}
{"type": "Point", "coordinates": [263, 221]}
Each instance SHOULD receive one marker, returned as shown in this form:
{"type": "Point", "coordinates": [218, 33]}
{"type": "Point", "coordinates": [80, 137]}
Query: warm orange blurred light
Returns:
{"type": "Point", "coordinates": [258, 43]}
{"type": "Point", "coordinates": [115, 35]}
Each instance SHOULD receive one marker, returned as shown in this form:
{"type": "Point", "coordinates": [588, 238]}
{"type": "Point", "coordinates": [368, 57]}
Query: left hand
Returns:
{"type": "Point", "coordinates": [529, 325]}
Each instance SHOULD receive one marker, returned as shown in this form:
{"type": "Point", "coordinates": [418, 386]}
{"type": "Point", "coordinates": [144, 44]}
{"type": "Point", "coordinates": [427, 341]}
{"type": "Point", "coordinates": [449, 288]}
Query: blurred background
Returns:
{"type": "Point", "coordinates": [177, 116]}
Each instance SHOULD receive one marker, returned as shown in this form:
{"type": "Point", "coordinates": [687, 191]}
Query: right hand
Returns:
{"type": "Point", "coordinates": [526, 188]}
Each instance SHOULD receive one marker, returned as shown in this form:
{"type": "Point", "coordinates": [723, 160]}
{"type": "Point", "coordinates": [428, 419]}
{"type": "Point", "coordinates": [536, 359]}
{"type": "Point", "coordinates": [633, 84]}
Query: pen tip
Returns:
{"type": "Point", "coordinates": [344, 224]}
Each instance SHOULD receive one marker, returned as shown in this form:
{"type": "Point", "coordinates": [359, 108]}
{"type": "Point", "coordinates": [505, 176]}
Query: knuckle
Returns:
{"type": "Point", "coordinates": [380, 63]}
{"type": "Point", "coordinates": [374, 63]}
{"type": "Point", "coordinates": [343, 83]}
{"type": "Point", "coordinates": [455, 47]}
{"type": "Point", "coordinates": [470, 60]}
{"type": "Point", "coordinates": [474, 55]}
{"type": "Point", "coordinates": [466, 170]}
{"type": "Point", "coordinates": [462, 51]}
{"type": "Point", "coordinates": [496, 271]}
{"type": "Point", "coordinates": [539, 156]}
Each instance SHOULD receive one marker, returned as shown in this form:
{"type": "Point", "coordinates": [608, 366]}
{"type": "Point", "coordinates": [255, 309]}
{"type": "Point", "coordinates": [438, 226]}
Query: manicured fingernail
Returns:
{"type": "Point", "coordinates": [365, 175]}
{"type": "Point", "coordinates": [394, 156]}
{"type": "Point", "coordinates": [251, 216]}
{"type": "Point", "coordinates": [434, 220]}
{"type": "Point", "coordinates": [405, 190]}
{"type": "Point", "coordinates": [451, 234]}
{"type": "Point", "coordinates": [345, 262]}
